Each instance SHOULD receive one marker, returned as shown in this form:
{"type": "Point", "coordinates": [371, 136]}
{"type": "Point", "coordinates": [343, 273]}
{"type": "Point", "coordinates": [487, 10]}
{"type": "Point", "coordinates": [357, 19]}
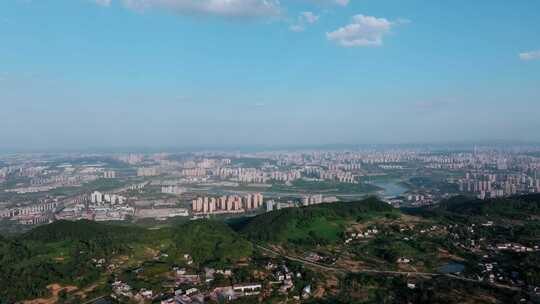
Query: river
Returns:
{"type": "Point", "coordinates": [391, 188]}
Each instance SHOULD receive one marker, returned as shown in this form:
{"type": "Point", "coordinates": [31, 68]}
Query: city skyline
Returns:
{"type": "Point", "coordinates": [182, 73]}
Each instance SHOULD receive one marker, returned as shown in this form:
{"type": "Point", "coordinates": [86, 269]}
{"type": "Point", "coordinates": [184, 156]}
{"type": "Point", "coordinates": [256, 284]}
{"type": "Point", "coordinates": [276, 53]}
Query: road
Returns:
{"type": "Point", "coordinates": [381, 272]}
{"type": "Point", "coordinates": [94, 300]}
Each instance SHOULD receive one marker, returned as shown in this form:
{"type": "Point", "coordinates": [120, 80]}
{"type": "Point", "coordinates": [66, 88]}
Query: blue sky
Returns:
{"type": "Point", "coordinates": [87, 73]}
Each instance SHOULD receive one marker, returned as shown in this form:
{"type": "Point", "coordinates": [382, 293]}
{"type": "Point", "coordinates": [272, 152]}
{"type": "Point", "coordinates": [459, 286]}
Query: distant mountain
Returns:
{"type": "Point", "coordinates": [316, 224]}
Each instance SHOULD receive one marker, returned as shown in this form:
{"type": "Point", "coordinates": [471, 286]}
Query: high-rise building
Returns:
{"type": "Point", "coordinates": [258, 200]}
{"type": "Point", "coordinates": [248, 202]}
{"type": "Point", "coordinates": [96, 197]}
{"type": "Point", "coordinates": [109, 174]}
{"type": "Point", "coordinates": [269, 206]}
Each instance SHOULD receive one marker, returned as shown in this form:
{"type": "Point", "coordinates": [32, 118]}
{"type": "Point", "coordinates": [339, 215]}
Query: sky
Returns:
{"type": "Point", "coordinates": [195, 73]}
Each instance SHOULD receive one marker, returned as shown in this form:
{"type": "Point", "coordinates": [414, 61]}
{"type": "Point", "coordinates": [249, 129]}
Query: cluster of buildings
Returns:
{"type": "Point", "coordinates": [308, 200]}
{"type": "Point", "coordinates": [283, 168]}
{"type": "Point", "coordinates": [161, 213]}
{"type": "Point", "coordinates": [63, 180]}
{"type": "Point", "coordinates": [96, 206]}
{"type": "Point", "coordinates": [44, 178]}
{"type": "Point", "coordinates": [227, 204]}
{"type": "Point", "coordinates": [44, 184]}
{"type": "Point", "coordinates": [4, 174]}
{"type": "Point", "coordinates": [191, 295]}
{"type": "Point", "coordinates": [95, 212]}
{"type": "Point", "coordinates": [255, 175]}
{"type": "Point", "coordinates": [357, 235]}
{"type": "Point", "coordinates": [99, 198]}
{"type": "Point", "coordinates": [305, 200]}
{"type": "Point", "coordinates": [132, 159]}
{"type": "Point", "coordinates": [487, 173]}
{"type": "Point", "coordinates": [173, 189]}
{"type": "Point", "coordinates": [415, 199]}
{"type": "Point", "coordinates": [32, 214]}
{"type": "Point", "coordinates": [492, 185]}
{"type": "Point", "coordinates": [187, 285]}
{"type": "Point", "coordinates": [109, 174]}
{"type": "Point", "coordinates": [147, 171]}
{"type": "Point", "coordinates": [284, 278]}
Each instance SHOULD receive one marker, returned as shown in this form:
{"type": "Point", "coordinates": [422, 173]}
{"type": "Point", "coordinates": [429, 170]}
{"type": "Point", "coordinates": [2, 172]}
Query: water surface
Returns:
{"type": "Point", "coordinates": [391, 188]}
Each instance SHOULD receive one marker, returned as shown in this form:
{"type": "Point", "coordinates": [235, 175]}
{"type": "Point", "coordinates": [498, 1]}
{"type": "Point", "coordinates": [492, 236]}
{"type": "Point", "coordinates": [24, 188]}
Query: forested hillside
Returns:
{"type": "Point", "coordinates": [517, 207]}
{"type": "Point", "coordinates": [65, 252]}
{"type": "Point", "coordinates": [318, 224]}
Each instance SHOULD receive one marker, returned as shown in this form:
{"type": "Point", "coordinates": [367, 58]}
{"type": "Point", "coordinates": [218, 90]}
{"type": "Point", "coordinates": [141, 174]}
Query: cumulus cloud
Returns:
{"type": "Point", "coordinates": [226, 8]}
{"type": "Point", "coordinates": [362, 31]}
{"type": "Point", "coordinates": [532, 55]}
{"type": "Point", "coordinates": [223, 8]}
{"type": "Point", "coordinates": [325, 2]}
{"type": "Point", "coordinates": [304, 19]}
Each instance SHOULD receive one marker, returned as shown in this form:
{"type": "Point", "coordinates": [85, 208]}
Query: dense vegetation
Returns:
{"type": "Point", "coordinates": [366, 288]}
{"type": "Point", "coordinates": [211, 242]}
{"type": "Point", "coordinates": [61, 253]}
{"type": "Point", "coordinates": [518, 207]}
{"type": "Point", "coordinates": [65, 252]}
{"type": "Point", "coordinates": [432, 182]}
{"type": "Point", "coordinates": [318, 224]}
{"type": "Point", "coordinates": [80, 230]}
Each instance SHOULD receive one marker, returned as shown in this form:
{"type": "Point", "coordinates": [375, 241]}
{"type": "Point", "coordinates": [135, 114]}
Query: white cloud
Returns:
{"type": "Point", "coordinates": [297, 28]}
{"type": "Point", "coordinates": [223, 8]}
{"type": "Point", "coordinates": [325, 2]}
{"type": "Point", "coordinates": [362, 31]}
{"type": "Point", "coordinates": [103, 2]}
{"type": "Point", "coordinates": [532, 55]}
{"type": "Point", "coordinates": [309, 17]}
{"type": "Point", "coordinates": [342, 2]}
{"type": "Point", "coordinates": [304, 19]}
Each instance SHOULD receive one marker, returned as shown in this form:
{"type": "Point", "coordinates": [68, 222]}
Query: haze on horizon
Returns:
{"type": "Point", "coordinates": [143, 73]}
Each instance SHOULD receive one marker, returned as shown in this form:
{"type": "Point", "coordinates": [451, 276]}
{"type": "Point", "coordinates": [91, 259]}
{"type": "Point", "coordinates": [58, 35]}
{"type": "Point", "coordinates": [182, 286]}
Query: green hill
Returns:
{"type": "Point", "coordinates": [64, 252]}
{"type": "Point", "coordinates": [517, 207]}
{"type": "Point", "coordinates": [211, 242]}
{"type": "Point", "coordinates": [79, 230]}
{"type": "Point", "coordinates": [60, 252]}
{"type": "Point", "coordinates": [317, 224]}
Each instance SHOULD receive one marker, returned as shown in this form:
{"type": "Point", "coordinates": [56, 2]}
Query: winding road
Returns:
{"type": "Point", "coordinates": [381, 272]}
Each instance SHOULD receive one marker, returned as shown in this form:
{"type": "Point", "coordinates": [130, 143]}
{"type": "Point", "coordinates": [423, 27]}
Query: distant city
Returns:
{"type": "Point", "coordinates": [41, 188]}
